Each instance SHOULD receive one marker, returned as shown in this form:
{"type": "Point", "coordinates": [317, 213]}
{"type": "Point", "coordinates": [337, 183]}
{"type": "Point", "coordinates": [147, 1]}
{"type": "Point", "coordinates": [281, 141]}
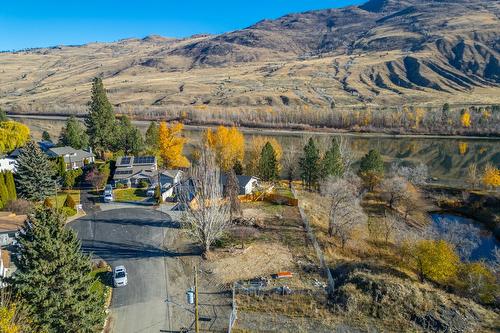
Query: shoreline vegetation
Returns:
{"type": "Point", "coordinates": [267, 130]}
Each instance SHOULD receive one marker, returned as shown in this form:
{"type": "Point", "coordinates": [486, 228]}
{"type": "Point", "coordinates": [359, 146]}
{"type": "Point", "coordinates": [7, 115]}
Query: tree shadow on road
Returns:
{"type": "Point", "coordinates": [114, 251]}
{"type": "Point", "coordinates": [145, 222]}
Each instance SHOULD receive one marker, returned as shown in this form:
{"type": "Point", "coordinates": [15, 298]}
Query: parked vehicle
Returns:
{"type": "Point", "coordinates": [108, 197]}
{"type": "Point", "coordinates": [151, 192]}
{"type": "Point", "coordinates": [108, 190]}
{"type": "Point", "coordinates": [120, 276]}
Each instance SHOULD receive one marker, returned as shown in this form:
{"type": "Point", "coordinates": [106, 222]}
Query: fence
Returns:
{"type": "Point", "coordinates": [317, 248]}
{"type": "Point", "coordinates": [270, 197]}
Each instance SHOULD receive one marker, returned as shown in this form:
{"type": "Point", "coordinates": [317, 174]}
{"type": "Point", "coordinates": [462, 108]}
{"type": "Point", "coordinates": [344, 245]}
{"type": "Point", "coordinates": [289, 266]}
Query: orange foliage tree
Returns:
{"type": "Point", "coordinates": [171, 145]}
{"type": "Point", "coordinates": [465, 119]}
{"type": "Point", "coordinates": [491, 176]}
{"type": "Point", "coordinates": [228, 145]}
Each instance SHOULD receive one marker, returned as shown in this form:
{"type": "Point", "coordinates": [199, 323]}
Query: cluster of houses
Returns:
{"type": "Point", "coordinates": [130, 171]}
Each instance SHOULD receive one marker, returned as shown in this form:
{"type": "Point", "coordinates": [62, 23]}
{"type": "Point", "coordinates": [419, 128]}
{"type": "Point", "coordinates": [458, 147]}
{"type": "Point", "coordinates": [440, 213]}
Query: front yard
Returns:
{"type": "Point", "coordinates": [130, 195]}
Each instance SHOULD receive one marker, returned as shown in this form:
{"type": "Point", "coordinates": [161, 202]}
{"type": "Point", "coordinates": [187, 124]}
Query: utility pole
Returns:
{"type": "Point", "coordinates": [196, 315]}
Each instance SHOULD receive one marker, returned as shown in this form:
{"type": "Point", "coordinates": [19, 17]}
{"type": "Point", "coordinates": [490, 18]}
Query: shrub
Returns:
{"type": "Point", "coordinates": [120, 185]}
{"type": "Point", "coordinates": [68, 211]}
{"type": "Point", "coordinates": [69, 202]}
{"type": "Point", "coordinates": [47, 203]}
{"type": "Point", "coordinates": [19, 206]}
{"type": "Point", "coordinates": [478, 282]}
{"type": "Point", "coordinates": [143, 184]}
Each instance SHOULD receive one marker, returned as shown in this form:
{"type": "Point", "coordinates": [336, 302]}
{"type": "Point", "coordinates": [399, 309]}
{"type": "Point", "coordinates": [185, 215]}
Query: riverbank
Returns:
{"type": "Point", "coordinates": [481, 206]}
{"type": "Point", "coordinates": [295, 131]}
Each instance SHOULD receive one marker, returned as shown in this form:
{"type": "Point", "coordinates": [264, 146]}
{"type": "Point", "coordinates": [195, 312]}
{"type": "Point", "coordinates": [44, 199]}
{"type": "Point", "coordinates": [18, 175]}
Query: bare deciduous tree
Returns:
{"type": "Point", "coordinates": [346, 152]}
{"type": "Point", "coordinates": [207, 212]}
{"type": "Point", "coordinates": [231, 192]}
{"type": "Point", "coordinates": [394, 189]}
{"type": "Point", "coordinates": [416, 175]}
{"type": "Point", "coordinates": [465, 237]}
{"type": "Point", "coordinates": [345, 210]}
{"type": "Point", "coordinates": [289, 161]}
{"type": "Point", "coordinates": [473, 176]}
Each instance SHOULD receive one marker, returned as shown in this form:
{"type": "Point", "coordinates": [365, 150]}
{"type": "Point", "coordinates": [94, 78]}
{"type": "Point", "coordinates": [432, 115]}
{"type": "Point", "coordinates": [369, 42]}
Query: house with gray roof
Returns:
{"type": "Point", "coordinates": [246, 184]}
{"type": "Point", "coordinates": [132, 170]}
{"type": "Point", "coordinates": [74, 158]}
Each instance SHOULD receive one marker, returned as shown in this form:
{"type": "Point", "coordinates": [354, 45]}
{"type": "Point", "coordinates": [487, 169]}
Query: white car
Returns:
{"type": "Point", "coordinates": [108, 190]}
{"type": "Point", "coordinates": [108, 197]}
{"type": "Point", "coordinates": [120, 276]}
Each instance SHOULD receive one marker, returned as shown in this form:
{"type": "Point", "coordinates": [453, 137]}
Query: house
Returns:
{"type": "Point", "coordinates": [246, 183]}
{"type": "Point", "coordinates": [132, 170]}
{"type": "Point", "coordinates": [7, 164]}
{"type": "Point", "coordinates": [4, 265]}
{"type": "Point", "coordinates": [169, 179]}
{"type": "Point", "coordinates": [74, 158]}
{"type": "Point", "coordinates": [10, 224]}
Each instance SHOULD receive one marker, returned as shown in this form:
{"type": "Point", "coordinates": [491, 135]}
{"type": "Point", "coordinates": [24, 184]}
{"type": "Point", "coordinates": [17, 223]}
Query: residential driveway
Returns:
{"type": "Point", "coordinates": [145, 241]}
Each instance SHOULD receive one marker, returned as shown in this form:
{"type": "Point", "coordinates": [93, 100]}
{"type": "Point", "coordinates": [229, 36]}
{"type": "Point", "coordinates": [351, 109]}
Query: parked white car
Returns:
{"type": "Point", "coordinates": [108, 189]}
{"type": "Point", "coordinates": [108, 197]}
{"type": "Point", "coordinates": [120, 276]}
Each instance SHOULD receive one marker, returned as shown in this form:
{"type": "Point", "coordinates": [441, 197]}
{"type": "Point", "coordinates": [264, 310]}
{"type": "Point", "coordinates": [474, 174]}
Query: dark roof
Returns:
{"type": "Point", "coordinates": [70, 154]}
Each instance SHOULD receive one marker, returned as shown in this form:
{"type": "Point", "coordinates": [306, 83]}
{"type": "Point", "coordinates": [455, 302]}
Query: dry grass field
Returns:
{"type": "Point", "coordinates": [381, 54]}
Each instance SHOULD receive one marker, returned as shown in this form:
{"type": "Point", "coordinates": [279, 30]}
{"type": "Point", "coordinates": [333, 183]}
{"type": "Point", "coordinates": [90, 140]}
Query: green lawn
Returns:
{"type": "Point", "coordinates": [61, 197]}
{"type": "Point", "coordinates": [130, 194]}
{"type": "Point", "coordinates": [101, 285]}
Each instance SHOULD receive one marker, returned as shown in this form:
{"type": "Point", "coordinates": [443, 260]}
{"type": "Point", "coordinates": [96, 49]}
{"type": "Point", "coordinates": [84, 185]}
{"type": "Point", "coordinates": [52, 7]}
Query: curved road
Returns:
{"type": "Point", "coordinates": [140, 239]}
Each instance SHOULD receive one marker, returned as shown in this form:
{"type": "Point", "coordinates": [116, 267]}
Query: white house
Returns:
{"type": "Point", "coordinates": [7, 164]}
{"type": "Point", "coordinates": [246, 183]}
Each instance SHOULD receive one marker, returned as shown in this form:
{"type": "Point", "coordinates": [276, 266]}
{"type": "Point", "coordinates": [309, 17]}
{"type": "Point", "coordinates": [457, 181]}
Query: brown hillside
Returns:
{"type": "Point", "coordinates": [385, 52]}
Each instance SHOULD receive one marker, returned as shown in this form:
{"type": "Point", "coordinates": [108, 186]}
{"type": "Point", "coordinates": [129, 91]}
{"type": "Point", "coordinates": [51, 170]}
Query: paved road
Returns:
{"type": "Point", "coordinates": [140, 239]}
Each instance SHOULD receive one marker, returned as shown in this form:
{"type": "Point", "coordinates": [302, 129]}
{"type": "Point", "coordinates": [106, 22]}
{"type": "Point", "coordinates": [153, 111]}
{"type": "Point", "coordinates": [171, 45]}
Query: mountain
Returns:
{"type": "Point", "coordinates": [384, 52]}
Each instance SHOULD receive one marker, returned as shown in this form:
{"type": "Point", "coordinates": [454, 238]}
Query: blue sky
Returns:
{"type": "Point", "coordinates": [37, 23]}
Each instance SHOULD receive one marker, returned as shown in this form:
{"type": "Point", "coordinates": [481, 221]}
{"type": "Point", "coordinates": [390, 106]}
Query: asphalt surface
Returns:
{"type": "Point", "coordinates": [142, 240]}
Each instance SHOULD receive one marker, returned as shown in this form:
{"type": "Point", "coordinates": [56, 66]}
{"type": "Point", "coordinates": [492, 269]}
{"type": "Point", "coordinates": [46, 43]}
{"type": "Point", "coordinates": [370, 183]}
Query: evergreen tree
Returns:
{"type": "Point", "coordinates": [238, 168]}
{"type": "Point", "coordinates": [152, 138]}
{"type": "Point", "coordinates": [128, 137]}
{"type": "Point", "coordinates": [332, 165]}
{"type": "Point", "coordinates": [34, 174]}
{"type": "Point", "coordinates": [46, 136]}
{"type": "Point", "coordinates": [61, 167]}
{"type": "Point", "coordinates": [309, 164]}
{"type": "Point", "coordinates": [73, 134]}
{"type": "Point", "coordinates": [371, 169]}
{"type": "Point", "coordinates": [268, 164]}
{"type": "Point", "coordinates": [53, 277]}
{"type": "Point", "coordinates": [69, 202]}
{"type": "Point", "coordinates": [4, 193]}
{"type": "Point", "coordinates": [11, 186]}
{"type": "Point", "coordinates": [100, 119]}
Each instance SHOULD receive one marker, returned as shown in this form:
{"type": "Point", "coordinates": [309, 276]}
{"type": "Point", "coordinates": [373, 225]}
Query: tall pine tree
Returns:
{"type": "Point", "coordinates": [332, 165]}
{"type": "Point", "coordinates": [309, 164]}
{"type": "Point", "coordinates": [128, 138]}
{"type": "Point", "coordinates": [73, 134]}
{"type": "Point", "coordinates": [371, 169]}
{"type": "Point", "coordinates": [34, 174]}
{"type": "Point", "coordinates": [100, 119]}
{"type": "Point", "coordinates": [268, 164]}
{"type": "Point", "coordinates": [152, 138]}
{"type": "Point", "coordinates": [53, 277]}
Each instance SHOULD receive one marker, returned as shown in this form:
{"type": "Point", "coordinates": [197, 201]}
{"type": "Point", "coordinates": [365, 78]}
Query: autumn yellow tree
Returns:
{"type": "Point", "coordinates": [478, 281]}
{"type": "Point", "coordinates": [171, 145]}
{"type": "Point", "coordinates": [13, 135]}
{"type": "Point", "coordinates": [465, 119]}
{"type": "Point", "coordinates": [434, 259]}
{"type": "Point", "coordinates": [491, 176]}
{"type": "Point", "coordinates": [228, 145]}
{"type": "Point", "coordinates": [8, 319]}
{"type": "Point", "coordinates": [255, 150]}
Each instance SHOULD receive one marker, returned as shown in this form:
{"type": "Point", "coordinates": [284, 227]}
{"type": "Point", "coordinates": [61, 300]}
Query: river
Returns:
{"type": "Point", "coordinates": [446, 157]}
